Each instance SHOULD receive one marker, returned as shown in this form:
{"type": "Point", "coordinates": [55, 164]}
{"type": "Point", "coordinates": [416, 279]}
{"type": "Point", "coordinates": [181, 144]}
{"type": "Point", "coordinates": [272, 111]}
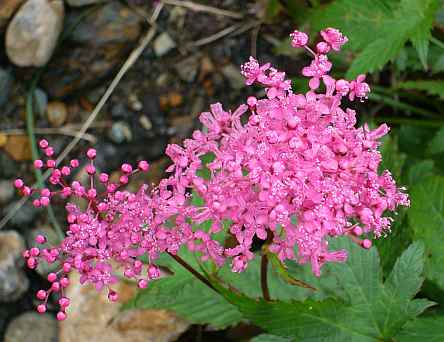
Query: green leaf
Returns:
{"type": "Point", "coordinates": [187, 296]}
{"type": "Point", "coordinates": [426, 217]}
{"type": "Point", "coordinates": [421, 34]}
{"type": "Point", "coordinates": [377, 54]}
{"type": "Point", "coordinates": [365, 308]}
{"type": "Point", "coordinates": [431, 87]}
{"type": "Point", "coordinates": [436, 145]}
{"type": "Point", "coordinates": [428, 329]}
{"type": "Point", "coordinates": [270, 338]}
{"type": "Point", "coordinates": [378, 29]}
{"type": "Point", "coordinates": [392, 158]}
{"type": "Point", "coordinates": [420, 171]}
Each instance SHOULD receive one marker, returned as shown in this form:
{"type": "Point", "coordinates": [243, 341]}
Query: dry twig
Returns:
{"type": "Point", "coordinates": [203, 8]}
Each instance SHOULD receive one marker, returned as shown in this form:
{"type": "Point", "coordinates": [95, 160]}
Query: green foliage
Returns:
{"type": "Point", "coordinates": [378, 29]}
{"type": "Point", "coordinates": [431, 87]}
{"type": "Point", "coordinates": [356, 304]}
{"type": "Point", "coordinates": [428, 329]}
{"type": "Point", "coordinates": [366, 309]}
{"type": "Point", "coordinates": [426, 216]}
{"type": "Point", "coordinates": [270, 338]}
{"type": "Point", "coordinates": [187, 296]}
{"type": "Point", "coordinates": [436, 145]}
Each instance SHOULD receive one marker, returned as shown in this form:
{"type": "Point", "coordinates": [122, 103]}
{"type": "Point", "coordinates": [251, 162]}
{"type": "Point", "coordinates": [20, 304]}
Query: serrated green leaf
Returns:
{"type": "Point", "coordinates": [421, 34]}
{"type": "Point", "coordinates": [431, 87]}
{"type": "Point", "coordinates": [430, 329]}
{"type": "Point", "coordinates": [436, 145]}
{"type": "Point", "coordinates": [365, 308]}
{"type": "Point", "coordinates": [378, 29]}
{"type": "Point", "coordinates": [376, 54]}
{"type": "Point", "coordinates": [187, 296]}
{"type": "Point", "coordinates": [411, 262]}
{"type": "Point", "coordinates": [426, 217]}
{"type": "Point", "coordinates": [354, 18]}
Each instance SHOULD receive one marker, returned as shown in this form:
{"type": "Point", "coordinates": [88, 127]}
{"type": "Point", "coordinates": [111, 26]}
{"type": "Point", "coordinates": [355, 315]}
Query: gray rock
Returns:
{"type": "Point", "coordinates": [5, 85]}
{"type": "Point", "coordinates": [6, 191]}
{"type": "Point", "coordinates": [163, 44]}
{"type": "Point", "coordinates": [78, 3]}
{"type": "Point", "coordinates": [98, 45]}
{"type": "Point", "coordinates": [120, 132]}
{"type": "Point", "coordinates": [33, 32]}
{"type": "Point", "coordinates": [56, 113]}
{"type": "Point", "coordinates": [187, 68]}
{"type": "Point", "coordinates": [32, 327]}
{"type": "Point", "coordinates": [13, 281]}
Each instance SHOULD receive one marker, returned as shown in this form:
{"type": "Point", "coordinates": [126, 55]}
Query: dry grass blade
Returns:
{"type": "Point", "coordinates": [203, 8]}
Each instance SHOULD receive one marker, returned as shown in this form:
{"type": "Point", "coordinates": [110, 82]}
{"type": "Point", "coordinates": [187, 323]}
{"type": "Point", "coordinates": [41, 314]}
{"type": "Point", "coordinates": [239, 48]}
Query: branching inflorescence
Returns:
{"type": "Point", "coordinates": [290, 168]}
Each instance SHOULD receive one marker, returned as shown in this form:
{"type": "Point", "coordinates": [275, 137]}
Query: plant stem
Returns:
{"type": "Point", "coordinates": [264, 282]}
{"type": "Point", "coordinates": [437, 42]}
{"type": "Point", "coordinates": [400, 105]}
{"type": "Point", "coordinates": [190, 269]}
{"type": "Point", "coordinates": [406, 121]}
{"type": "Point", "coordinates": [34, 150]}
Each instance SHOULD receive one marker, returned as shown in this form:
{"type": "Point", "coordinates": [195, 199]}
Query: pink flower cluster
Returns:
{"type": "Point", "coordinates": [290, 168]}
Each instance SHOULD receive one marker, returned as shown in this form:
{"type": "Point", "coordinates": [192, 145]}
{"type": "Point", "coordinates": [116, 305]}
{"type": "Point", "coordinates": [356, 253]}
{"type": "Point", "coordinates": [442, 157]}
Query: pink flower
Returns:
{"type": "Point", "coordinates": [289, 168]}
{"type": "Point", "coordinates": [359, 88]}
{"type": "Point", "coordinates": [298, 39]}
{"type": "Point", "coordinates": [334, 38]}
{"type": "Point", "coordinates": [252, 71]}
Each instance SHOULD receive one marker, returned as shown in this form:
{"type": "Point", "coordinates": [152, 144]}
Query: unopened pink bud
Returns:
{"type": "Point", "coordinates": [44, 201]}
{"type": "Point", "coordinates": [50, 163]}
{"type": "Point", "coordinates": [298, 39]}
{"type": "Point", "coordinates": [66, 267]}
{"type": "Point", "coordinates": [64, 282]}
{"type": "Point", "coordinates": [142, 284]}
{"type": "Point", "coordinates": [143, 166]}
{"type": "Point", "coordinates": [43, 143]}
{"type": "Point", "coordinates": [64, 302]}
{"type": "Point", "coordinates": [61, 316]}
{"type": "Point", "coordinates": [113, 296]}
{"type": "Point", "coordinates": [90, 169]}
{"type": "Point", "coordinates": [49, 151]}
{"type": "Point", "coordinates": [38, 164]}
{"type": "Point", "coordinates": [103, 177]}
{"type": "Point", "coordinates": [126, 168]}
{"type": "Point", "coordinates": [52, 277]}
{"type": "Point", "coordinates": [41, 294]}
{"type": "Point", "coordinates": [31, 263]}
{"type": "Point", "coordinates": [123, 179]}
{"type": "Point", "coordinates": [74, 163]}
{"type": "Point", "coordinates": [18, 183]}
{"type": "Point", "coordinates": [66, 171]}
{"type": "Point", "coordinates": [91, 153]}
{"type": "Point", "coordinates": [34, 251]}
{"type": "Point", "coordinates": [252, 101]}
{"type": "Point", "coordinates": [26, 191]}
{"type": "Point", "coordinates": [366, 243]}
{"type": "Point", "coordinates": [40, 239]}
{"type": "Point", "coordinates": [41, 308]}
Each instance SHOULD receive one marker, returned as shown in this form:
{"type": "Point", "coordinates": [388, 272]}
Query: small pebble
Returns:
{"type": "Point", "coordinates": [56, 113]}
{"type": "Point", "coordinates": [163, 44]}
